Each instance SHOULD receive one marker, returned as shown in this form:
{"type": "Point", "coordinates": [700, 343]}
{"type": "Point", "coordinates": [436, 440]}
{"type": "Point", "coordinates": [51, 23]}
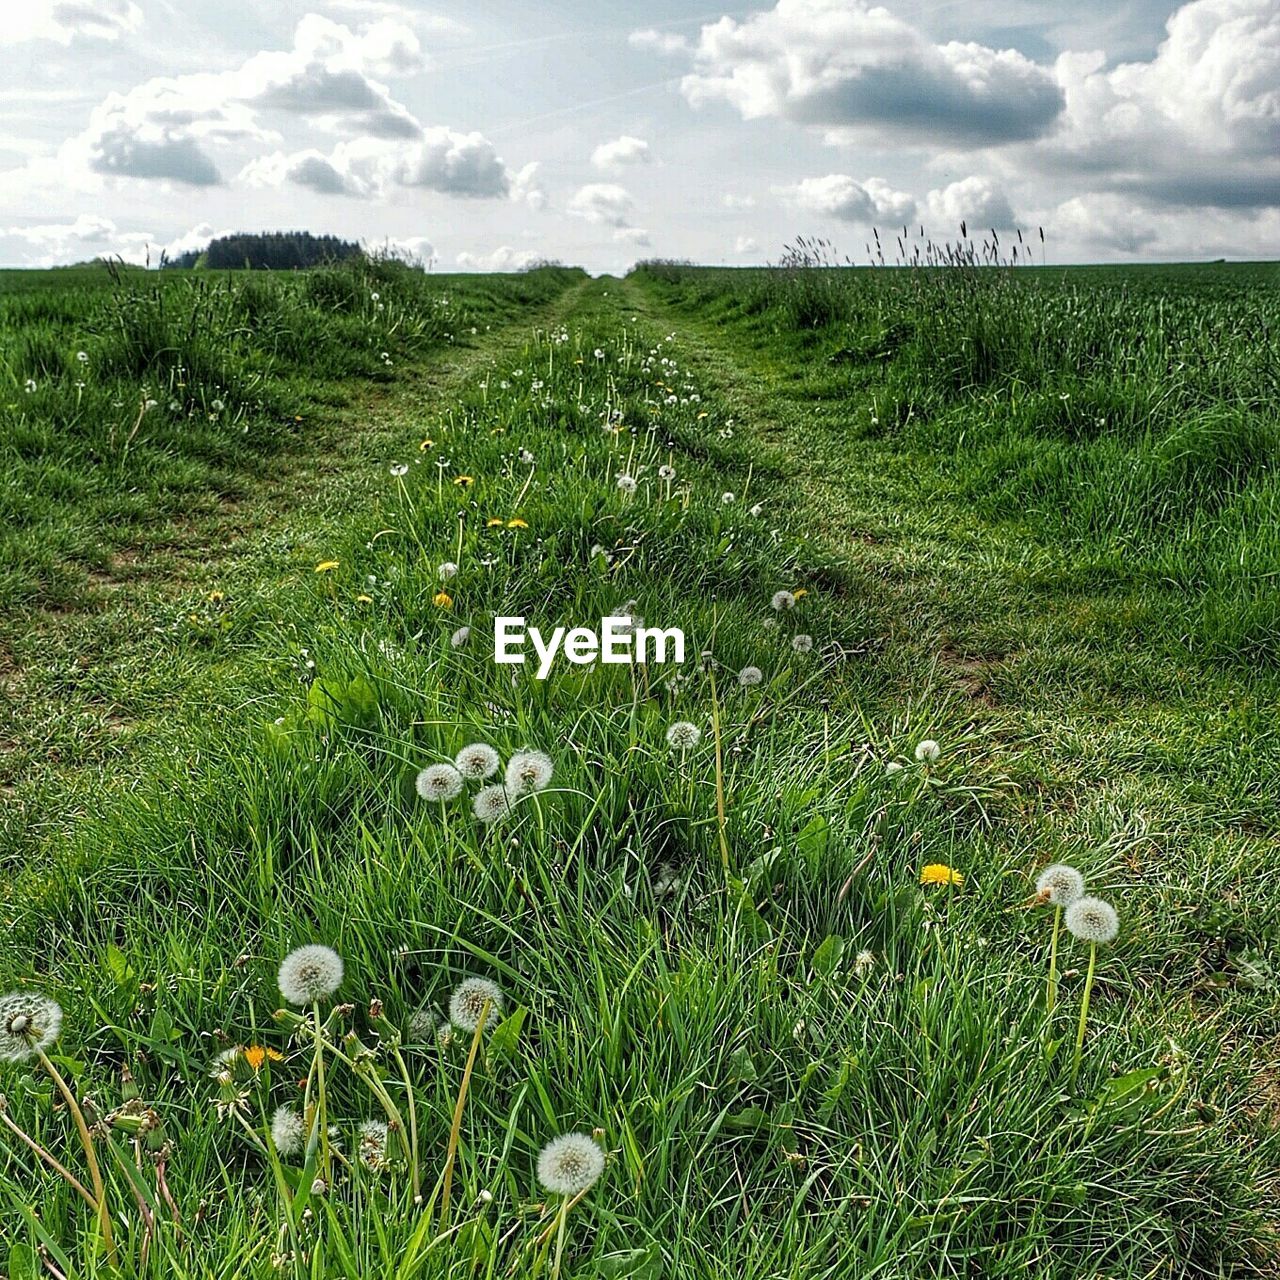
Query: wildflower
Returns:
{"type": "Point", "coordinates": [175, 406]}
{"type": "Point", "coordinates": [750, 676]}
{"type": "Point", "coordinates": [727, 498]}
{"type": "Point", "coordinates": [927, 751]}
{"type": "Point", "coordinates": [476, 762]}
{"type": "Point", "coordinates": [310, 973]}
{"type": "Point", "coordinates": [491, 803]}
{"type": "Point", "coordinates": [29, 386]}
{"type": "Point", "coordinates": [516, 523]}
{"type": "Point", "coordinates": [940, 873]}
{"type": "Point", "coordinates": [464, 482]}
{"type": "Point", "coordinates": [439, 782]}
{"type": "Point", "coordinates": [863, 962]}
{"type": "Point", "coordinates": [626, 483]}
{"type": "Point", "coordinates": [1092, 920]}
{"type": "Point", "coordinates": [446, 571]}
{"type": "Point", "coordinates": [257, 1056]}
{"type": "Point", "coordinates": [442, 600]}
{"type": "Point", "coordinates": [569, 1164]}
{"type": "Point", "coordinates": [422, 1026]}
{"type": "Point", "coordinates": [364, 599]}
{"type": "Point", "coordinates": [373, 1146]}
{"type": "Point", "coordinates": [468, 1002]}
{"type": "Point", "coordinates": [529, 771]}
{"type": "Point", "coordinates": [1060, 885]}
{"type": "Point", "coordinates": [460, 637]}
{"type": "Point", "coordinates": [288, 1132]}
{"type": "Point", "coordinates": [399, 469]}
{"type": "Point", "coordinates": [802, 643]}
{"type": "Point", "coordinates": [527, 458]}
{"type": "Point", "coordinates": [82, 356]}
{"type": "Point", "coordinates": [29, 1024]}
{"type": "Point", "coordinates": [496, 523]}
{"type": "Point", "coordinates": [217, 406]}
{"type": "Point", "coordinates": [326, 566]}
{"type": "Point", "coordinates": [782, 600]}
{"type": "Point", "coordinates": [666, 472]}
{"type": "Point", "coordinates": [683, 735]}
{"type": "Point", "coordinates": [425, 445]}
{"type": "Point", "coordinates": [891, 768]}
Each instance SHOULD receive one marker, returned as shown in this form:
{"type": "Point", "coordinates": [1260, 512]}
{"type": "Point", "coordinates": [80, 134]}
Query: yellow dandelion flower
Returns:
{"type": "Point", "coordinates": [443, 599]}
{"type": "Point", "coordinates": [464, 482]}
{"type": "Point", "coordinates": [517, 523]}
{"type": "Point", "coordinates": [297, 417]}
{"type": "Point", "coordinates": [425, 445]}
{"type": "Point", "coordinates": [255, 1055]}
{"type": "Point", "coordinates": [940, 873]}
{"type": "Point", "coordinates": [800, 591]}
{"type": "Point", "coordinates": [496, 523]}
{"type": "Point", "coordinates": [701, 416]}
{"type": "Point", "coordinates": [363, 599]}
{"type": "Point", "coordinates": [326, 566]}
{"type": "Point", "coordinates": [215, 597]}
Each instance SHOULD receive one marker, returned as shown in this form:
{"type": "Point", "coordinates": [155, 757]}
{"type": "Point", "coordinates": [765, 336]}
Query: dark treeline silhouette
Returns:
{"type": "Point", "coordinates": [272, 250]}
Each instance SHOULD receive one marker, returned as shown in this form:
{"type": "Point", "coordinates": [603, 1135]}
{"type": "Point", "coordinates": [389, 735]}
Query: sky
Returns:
{"type": "Point", "coordinates": [483, 136]}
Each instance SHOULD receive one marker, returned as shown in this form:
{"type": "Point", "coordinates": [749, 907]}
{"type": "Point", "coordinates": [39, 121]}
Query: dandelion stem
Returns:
{"type": "Point", "coordinates": [1084, 1011]}
{"type": "Point", "coordinates": [1051, 992]}
{"type": "Point", "coordinates": [414, 1173]}
{"type": "Point", "coordinates": [715, 732]}
{"type": "Point", "coordinates": [90, 1156]}
{"type": "Point", "coordinates": [322, 1119]}
{"type": "Point", "coordinates": [456, 1128]}
{"type": "Point", "coordinates": [564, 1218]}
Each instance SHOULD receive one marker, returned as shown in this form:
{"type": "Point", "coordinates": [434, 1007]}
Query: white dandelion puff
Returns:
{"type": "Point", "coordinates": [399, 469]}
{"type": "Point", "coordinates": [683, 735]}
{"type": "Point", "coordinates": [756, 511]}
{"type": "Point", "coordinates": [468, 1002]}
{"type": "Point", "coordinates": [310, 973]}
{"type": "Point", "coordinates": [82, 356]}
{"type": "Point", "coordinates": [893, 767]}
{"type": "Point", "coordinates": [477, 762]}
{"type": "Point", "coordinates": [439, 782]}
{"type": "Point", "coordinates": [666, 472]}
{"type": "Point", "coordinates": [748, 677]}
{"type": "Point", "coordinates": [29, 1024]}
{"type": "Point", "coordinates": [863, 963]}
{"type": "Point", "coordinates": [1092, 920]}
{"type": "Point", "coordinates": [447, 570]}
{"type": "Point", "coordinates": [927, 751]}
{"type": "Point", "coordinates": [460, 637]}
{"type": "Point", "coordinates": [626, 483]}
{"type": "Point", "coordinates": [288, 1132]}
{"type": "Point", "coordinates": [571, 1163]}
{"type": "Point", "coordinates": [1060, 884]}
{"type": "Point", "coordinates": [782, 600]}
{"type": "Point", "coordinates": [29, 386]}
{"type": "Point", "coordinates": [491, 803]}
{"type": "Point", "coordinates": [527, 458]}
{"type": "Point", "coordinates": [727, 498]}
{"type": "Point", "coordinates": [802, 643]}
{"type": "Point", "coordinates": [217, 406]}
{"type": "Point", "coordinates": [529, 771]}
{"type": "Point", "coordinates": [373, 1138]}
{"type": "Point", "coordinates": [423, 1025]}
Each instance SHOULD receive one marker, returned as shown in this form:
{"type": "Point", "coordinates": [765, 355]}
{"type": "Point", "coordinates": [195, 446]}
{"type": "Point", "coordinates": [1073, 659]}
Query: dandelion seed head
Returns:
{"type": "Point", "coordinates": [288, 1132]}
{"type": "Point", "coordinates": [310, 973]}
{"type": "Point", "coordinates": [893, 767]}
{"type": "Point", "coordinates": [927, 751]}
{"type": "Point", "coordinates": [1060, 884]}
{"type": "Point", "coordinates": [460, 637]}
{"type": "Point", "coordinates": [399, 469]}
{"type": "Point", "coordinates": [529, 771]}
{"type": "Point", "coordinates": [626, 483]}
{"type": "Point", "coordinates": [373, 1138]}
{"type": "Point", "coordinates": [727, 498]}
{"type": "Point", "coordinates": [447, 570]}
{"type": "Point", "coordinates": [683, 735]}
{"type": "Point", "coordinates": [750, 676]}
{"type": "Point", "coordinates": [29, 1024]}
{"type": "Point", "coordinates": [476, 762]}
{"type": "Point", "coordinates": [491, 803]}
{"type": "Point", "coordinates": [1092, 920]}
{"type": "Point", "coordinates": [782, 600]}
{"type": "Point", "coordinates": [423, 1025]}
{"type": "Point", "coordinates": [439, 782]}
{"type": "Point", "coordinates": [468, 1001]}
{"type": "Point", "coordinates": [666, 472]}
{"type": "Point", "coordinates": [571, 1163]}
{"type": "Point", "coordinates": [802, 643]}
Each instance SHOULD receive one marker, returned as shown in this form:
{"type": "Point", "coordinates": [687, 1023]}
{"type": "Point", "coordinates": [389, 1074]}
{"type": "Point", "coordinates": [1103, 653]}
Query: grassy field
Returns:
{"type": "Point", "coordinates": [977, 572]}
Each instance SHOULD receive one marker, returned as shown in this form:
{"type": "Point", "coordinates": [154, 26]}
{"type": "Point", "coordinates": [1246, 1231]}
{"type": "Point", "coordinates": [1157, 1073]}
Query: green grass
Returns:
{"type": "Point", "coordinates": [800, 1061]}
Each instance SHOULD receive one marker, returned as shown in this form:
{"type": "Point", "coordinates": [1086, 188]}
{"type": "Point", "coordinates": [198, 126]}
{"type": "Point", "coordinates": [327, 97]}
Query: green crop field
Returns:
{"type": "Point", "coordinates": [979, 574]}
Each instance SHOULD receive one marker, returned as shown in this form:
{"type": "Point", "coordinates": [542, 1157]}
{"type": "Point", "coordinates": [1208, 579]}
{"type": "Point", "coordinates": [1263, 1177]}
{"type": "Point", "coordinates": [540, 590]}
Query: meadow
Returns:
{"type": "Point", "coordinates": [337, 949]}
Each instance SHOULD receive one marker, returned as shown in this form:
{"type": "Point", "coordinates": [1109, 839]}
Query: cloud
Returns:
{"type": "Point", "coordinates": [731, 201]}
{"type": "Point", "coordinates": [67, 20]}
{"type": "Point", "coordinates": [653, 41]}
{"type": "Point", "coordinates": [839, 196]}
{"type": "Point", "coordinates": [632, 235]}
{"type": "Point", "coordinates": [416, 249]}
{"type": "Point", "coordinates": [603, 203]}
{"type": "Point", "coordinates": [856, 71]}
{"type": "Point", "coordinates": [1196, 125]}
{"type": "Point", "coordinates": [503, 258]}
{"type": "Point", "coordinates": [745, 245]}
{"type": "Point", "coordinates": [976, 201]}
{"type": "Point", "coordinates": [621, 152]}
{"type": "Point", "coordinates": [89, 236]}
{"type": "Point", "coordinates": [525, 187]}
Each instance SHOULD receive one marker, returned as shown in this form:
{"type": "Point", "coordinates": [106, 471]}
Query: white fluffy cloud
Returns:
{"type": "Point", "coordinates": [975, 201]}
{"type": "Point", "coordinates": [503, 258]}
{"type": "Point", "coordinates": [837, 195]}
{"type": "Point", "coordinates": [603, 203]}
{"type": "Point", "coordinates": [858, 71]}
{"type": "Point", "coordinates": [66, 20]}
{"type": "Point", "coordinates": [621, 152]}
{"type": "Point", "coordinates": [744, 246]}
{"type": "Point", "coordinates": [89, 236]}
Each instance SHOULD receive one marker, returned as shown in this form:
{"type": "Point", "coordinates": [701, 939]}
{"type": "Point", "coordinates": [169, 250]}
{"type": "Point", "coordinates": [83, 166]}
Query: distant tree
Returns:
{"type": "Point", "coordinates": [268, 250]}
